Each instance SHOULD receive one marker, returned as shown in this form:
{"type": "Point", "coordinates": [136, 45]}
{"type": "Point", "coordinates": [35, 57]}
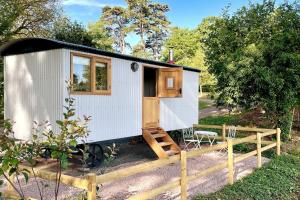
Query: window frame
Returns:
{"type": "Point", "coordinates": [173, 83]}
{"type": "Point", "coordinates": [163, 90]}
{"type": "Point", "coordinates": [93, 60]}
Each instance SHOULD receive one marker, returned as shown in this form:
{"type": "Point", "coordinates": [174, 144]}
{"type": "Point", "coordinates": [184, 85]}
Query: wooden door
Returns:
{"type": "Point", "coordinates": [170, 82]}
{"type": "Point", "coordinates": [150, 112]}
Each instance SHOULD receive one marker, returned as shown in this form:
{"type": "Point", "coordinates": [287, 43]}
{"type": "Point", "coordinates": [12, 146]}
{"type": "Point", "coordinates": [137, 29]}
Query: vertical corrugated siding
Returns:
{"type": "Point", "coordinates": [117, 115]}
{"type": "Point", "coordinates": [179, 113]}
{"type": "Point", "coordinates": [33, 89]}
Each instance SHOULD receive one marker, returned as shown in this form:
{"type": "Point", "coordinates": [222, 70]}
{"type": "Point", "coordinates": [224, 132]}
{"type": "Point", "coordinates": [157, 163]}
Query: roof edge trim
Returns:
{"type": "Point", "coordinates": [29, 45]}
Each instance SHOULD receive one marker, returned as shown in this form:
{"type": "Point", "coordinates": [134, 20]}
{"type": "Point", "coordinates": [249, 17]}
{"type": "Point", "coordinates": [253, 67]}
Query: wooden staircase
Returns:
{"type": "Point", "coordinates": [160, 141]}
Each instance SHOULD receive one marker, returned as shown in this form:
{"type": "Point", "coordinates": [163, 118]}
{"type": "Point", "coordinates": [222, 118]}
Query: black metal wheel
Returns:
{"type": "Point", "coordinates": [95, 155]}
{"type": "Point", "coordinates": [45, 153]}
{"type": "Point", "coordinates": [176, 136]}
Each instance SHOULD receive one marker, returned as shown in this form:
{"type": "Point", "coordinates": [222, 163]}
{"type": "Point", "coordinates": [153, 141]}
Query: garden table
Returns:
{"type": "Point", "coordinates": [210, 135]}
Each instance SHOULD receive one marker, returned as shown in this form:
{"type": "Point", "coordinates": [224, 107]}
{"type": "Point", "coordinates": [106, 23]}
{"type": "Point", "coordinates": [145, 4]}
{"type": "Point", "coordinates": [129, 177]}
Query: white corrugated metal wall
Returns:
{"type": "Point", "coordinates": [32, 88]}
{"type": "Point", "coordinates": [117, 115]}
{"type": "Point", "coordinates": [179, 113]}
{"type": "Point", "coordinates": [35, 90]}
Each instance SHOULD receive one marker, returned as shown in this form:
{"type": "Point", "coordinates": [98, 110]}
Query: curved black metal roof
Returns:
{"type": "Point", "coordinates": [29, 45]}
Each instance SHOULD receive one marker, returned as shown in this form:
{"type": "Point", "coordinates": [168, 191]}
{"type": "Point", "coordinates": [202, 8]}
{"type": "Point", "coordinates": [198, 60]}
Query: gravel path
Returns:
{"type": "Point", "coordinates": [212, 110]}
{"type": "Point", "coordinates": [130, 155]}
{"type": "Point", "coordinates": [126, 187]}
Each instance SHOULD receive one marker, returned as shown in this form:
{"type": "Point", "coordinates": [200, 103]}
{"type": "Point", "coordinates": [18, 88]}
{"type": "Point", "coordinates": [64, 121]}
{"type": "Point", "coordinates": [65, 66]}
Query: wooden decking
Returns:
{"type": "Point", "coordinates": [160, 141]}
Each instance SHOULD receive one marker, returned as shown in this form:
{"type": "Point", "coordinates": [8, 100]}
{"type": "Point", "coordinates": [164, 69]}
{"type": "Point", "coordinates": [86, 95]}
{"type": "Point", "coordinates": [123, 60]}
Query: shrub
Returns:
{"type": "Point", "coordinates": [60, 144]}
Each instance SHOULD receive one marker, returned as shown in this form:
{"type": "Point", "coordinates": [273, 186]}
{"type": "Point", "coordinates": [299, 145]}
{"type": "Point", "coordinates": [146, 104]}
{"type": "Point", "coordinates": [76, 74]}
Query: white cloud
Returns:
{"type": "Point", "coordinates": [92, 3]}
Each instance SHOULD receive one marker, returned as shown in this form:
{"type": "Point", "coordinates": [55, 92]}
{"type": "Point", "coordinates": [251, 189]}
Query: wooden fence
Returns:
{"type": "Point", "coordinates": [89, 182]}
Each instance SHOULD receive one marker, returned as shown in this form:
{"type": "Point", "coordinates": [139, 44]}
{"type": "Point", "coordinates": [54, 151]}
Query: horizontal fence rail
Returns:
{"type": "Point", "coordinates": [87, 183]}
{"type": "Point", "coordinates": [90, 181]}
{"type": "Point", "coordinates": [129, 171]}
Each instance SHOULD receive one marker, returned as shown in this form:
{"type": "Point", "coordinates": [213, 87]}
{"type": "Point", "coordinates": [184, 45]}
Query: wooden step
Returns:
{"type": "Point", "coordinates": [154, 131]}
{"type": "Point", "coordinates": [151, 128]}
{"type": "Point", "coordinates": [165, 143]}
{"type": "Point", "coordinates": [160, 142]}
{"type": "Point", "coordinates": [158, 135]}
{"type": "Point", "coordinates": [172, 152]}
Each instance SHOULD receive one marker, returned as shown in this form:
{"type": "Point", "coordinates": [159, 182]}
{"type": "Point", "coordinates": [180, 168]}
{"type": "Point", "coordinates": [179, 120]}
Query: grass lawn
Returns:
{"type": "Point", "coordinates": [280, 179]}
{"type": "Point", "coordinates": [203, 105]}
{"type": "Point", "coordinates": [219, 120]}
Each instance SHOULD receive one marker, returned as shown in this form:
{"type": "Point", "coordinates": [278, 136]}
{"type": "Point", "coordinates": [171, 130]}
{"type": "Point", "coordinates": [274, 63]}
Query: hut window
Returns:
{"type": "Point", "coordinates": [101, 81]}
{"type": "Point", "coordinates": [170, 82]}
{"type": "Point", "coordinates": [81, 74]}
{"type": "Point", "coordinates": [90, 74]}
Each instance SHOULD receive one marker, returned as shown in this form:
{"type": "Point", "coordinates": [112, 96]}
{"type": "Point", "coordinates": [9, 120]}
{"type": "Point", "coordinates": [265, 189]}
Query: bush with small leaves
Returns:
{"type": "Point", "coordinates": [12, 153]}
{"type": "Point", "coordinates": [61, 144]}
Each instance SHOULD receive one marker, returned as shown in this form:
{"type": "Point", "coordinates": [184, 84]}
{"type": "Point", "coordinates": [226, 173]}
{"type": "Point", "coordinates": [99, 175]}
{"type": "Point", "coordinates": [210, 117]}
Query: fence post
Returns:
{"type": "Point", "coordinates": [223, 132]}
{"type": "Point", "coordinates": [91, 192]}
{"type": "Point", "coordinates": [278, 141]}
{"type": "Point", "coordinates": [259, 150]}
{"type": "Point", "coordinates": [230, 161]}
{"type": "Point", "coordinates": [183, 180]}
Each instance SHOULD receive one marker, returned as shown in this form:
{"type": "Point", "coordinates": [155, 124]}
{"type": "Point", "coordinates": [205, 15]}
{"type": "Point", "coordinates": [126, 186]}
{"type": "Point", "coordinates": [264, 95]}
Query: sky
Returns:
{"type": "Point", "coordinates": [183, 13]}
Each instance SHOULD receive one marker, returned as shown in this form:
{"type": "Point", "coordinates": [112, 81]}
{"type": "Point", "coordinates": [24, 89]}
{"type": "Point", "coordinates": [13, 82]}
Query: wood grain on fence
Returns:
{"type": "Point", "coordinates": [258, 150]}
{"type": "Point", "coordinates": [230, 163]}
{"type": "Point", "coordinates": [183, 179]}
{"type": "Point", "coordinates": [278, 141]}
{"type": "Point", "coordinates": [129, 171]}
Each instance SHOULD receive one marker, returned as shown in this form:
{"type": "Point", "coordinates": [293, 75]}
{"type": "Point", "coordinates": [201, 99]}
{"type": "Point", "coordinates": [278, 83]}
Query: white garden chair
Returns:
{"type": "Point", "coordinates": [231, 135]}
{"type": "Point", "coordinates": [190, 139]}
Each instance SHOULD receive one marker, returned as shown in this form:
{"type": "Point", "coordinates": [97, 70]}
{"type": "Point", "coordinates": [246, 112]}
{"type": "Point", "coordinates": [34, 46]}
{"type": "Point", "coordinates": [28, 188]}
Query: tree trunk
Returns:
{"type": "Point", "coordinates": [122, 44]}
{"type": "Point", "coordinates": [200, 87]}
{"type": "Point", "coordinates": [291, 127]}
{"type": "Point", "coordinates": [200, 90]}
{"type": "Point", "coordinates": [142, 38]}
{"type": "Point", "coordinates": [285, 123]}
{"type": "Point", "coordinates": [155, 52]}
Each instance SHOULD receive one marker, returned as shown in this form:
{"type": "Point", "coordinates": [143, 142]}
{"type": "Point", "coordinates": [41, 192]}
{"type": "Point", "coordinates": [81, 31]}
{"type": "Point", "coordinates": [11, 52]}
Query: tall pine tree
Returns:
{"type": "Point", "coordinates": [158, 28]}
{"type": "Point", "coordinates": [139, 13]}
{"type": "Point", "coordinates": [116, 21]}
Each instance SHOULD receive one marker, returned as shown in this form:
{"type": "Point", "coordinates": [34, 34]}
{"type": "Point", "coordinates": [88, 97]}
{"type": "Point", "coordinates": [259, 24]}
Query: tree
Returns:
{"type": "Point", "coordinates": [139, 13]}
{"type": "Point", "coordinates": [255, 57]}
{"type": "Point", "coordinates": [73, 32]}
{"type": "Point", "coordinates": [100, 36]}
{"type": "Point", "coordinates": [116, 21]}
{"type": "Point", "coordinates": [184, 42]}
{"type": "Point", "coordinates": [158, 28]}
{"type": "Point", "coordinates": [198, 61]}
{"type": "Point", "coordinates": [188, 49]}
{"type": "Point", "coordinates": [21, 18]}
{"type": "Point", "coordinates": [138, 51]}
{"type": "Point", "coordinates": [206, 78]}
{"type": "Point", "coordinates": [149, 21]}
